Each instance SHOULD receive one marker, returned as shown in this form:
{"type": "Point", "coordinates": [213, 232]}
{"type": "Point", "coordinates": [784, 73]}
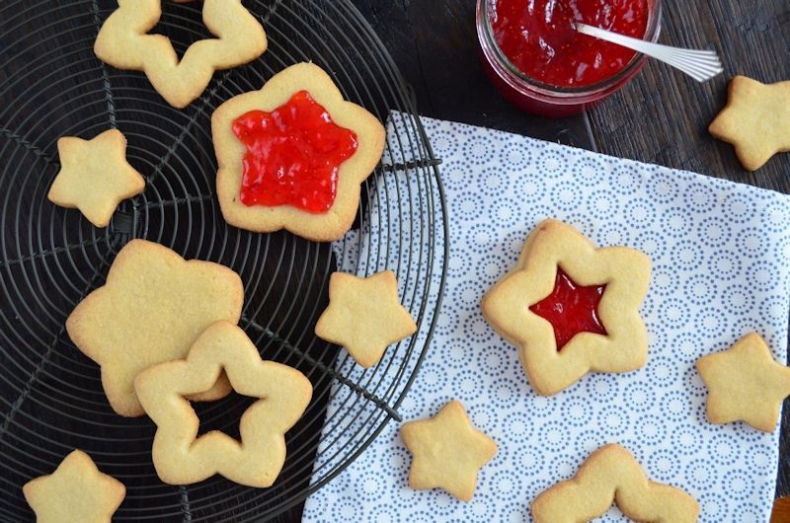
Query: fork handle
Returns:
{"type": "Point", "coordinates": [699, 64]}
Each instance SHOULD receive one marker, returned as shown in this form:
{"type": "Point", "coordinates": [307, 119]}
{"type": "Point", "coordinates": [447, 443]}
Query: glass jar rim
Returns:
{"type": "Point", "coordinates": [652, 32]}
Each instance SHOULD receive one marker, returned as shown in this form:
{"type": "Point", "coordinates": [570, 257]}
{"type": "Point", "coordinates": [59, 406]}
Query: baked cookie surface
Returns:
{"type": "Point", "coordinates": [180, 456]}
{"type": "Point", "coordinates": [75, 493]}
{"type": "Point", "coordinates": [94, 176]}
{"type": "Point", "coordinates": [364, 315]}
{"type": "Point", "coordinates": [152, 308]}
{"type": "Point", "coordinates": [611, 474]}
{"type": "Point", "coordinates": [756, 120]}
{"type": "Point", "coordinates": [124, 42]}
{"type": "Point", "coordinates": [597, 328]}
{"type": "Point", "coordinates": [237, 151]}
{"type": "Point", "coordinates": [448, 451]}
{"type": "Point", "coordinates": [745, 383]}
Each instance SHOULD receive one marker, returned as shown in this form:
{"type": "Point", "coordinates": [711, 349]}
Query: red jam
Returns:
{"type": "Point", "coordinates": [293, 155]}
{"type": "Point", "coordinates": [539, 39]}
{"type": "Point", "coordinates": [571, 309]}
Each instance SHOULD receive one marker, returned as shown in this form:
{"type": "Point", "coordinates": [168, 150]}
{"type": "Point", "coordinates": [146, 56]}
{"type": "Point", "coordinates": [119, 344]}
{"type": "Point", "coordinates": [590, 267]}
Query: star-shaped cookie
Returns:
{"type": "Point", "coordinates": [180, 456]}
{"type": "Point", "coordinates": [611, 474]}
{"type": "Point", "coordinates": [152, 308]}
{"type": "Point", "coordinates": [448, 451]}
{"type": "Point", "coordinates": [75, 493]}
{"type": "Point", "coordinates": [94, 176]}
{"type": "Point", "coordinates": [364, 315]}
{"type": "Point", "coordinates": [123, 42]}
{"type": "Point", "coordinates": [612, 280]}
{"type": "Point", "coordinates": [745, 383]}
{"type": "Point", "coordinates": [756, 120]}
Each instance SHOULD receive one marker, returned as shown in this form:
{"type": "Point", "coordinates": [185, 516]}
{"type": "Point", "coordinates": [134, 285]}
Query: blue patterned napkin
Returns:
{"type": "Point", "coordinates": [720, 270]}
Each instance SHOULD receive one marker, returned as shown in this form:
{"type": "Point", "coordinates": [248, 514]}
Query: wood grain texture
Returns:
{"type": "Point", "coordinates": [662, 116]}
{"type": "Point", "coordinates": [781, 511]}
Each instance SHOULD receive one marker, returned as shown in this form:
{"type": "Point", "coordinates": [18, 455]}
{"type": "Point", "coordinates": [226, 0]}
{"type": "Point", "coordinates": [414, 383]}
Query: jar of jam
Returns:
{"type": "Point", "coordinates": [540, 63]}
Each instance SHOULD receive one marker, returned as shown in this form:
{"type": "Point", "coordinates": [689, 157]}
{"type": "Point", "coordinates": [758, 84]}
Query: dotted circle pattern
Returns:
{"type": "Point", "coordinates": [716, 273]}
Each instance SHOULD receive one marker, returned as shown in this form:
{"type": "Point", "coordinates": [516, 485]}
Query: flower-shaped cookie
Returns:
{"type": "Point", "coordinates": [745, 383]}
{"type": "Point", "coordinates": [448, 451]}
{"type": "Point", "coordinates": [94, 176]}
{"type": "Point", "coordinates": [293, 155]}
{"type": "Point", "coordinates": [75, 492]}
{"type": "Point", "coordinates": [153, 307]}
{"type": "Point", "coordinates": [180, 456]}
{"type": "Point", "coordinates": [571, 308]}
{"type": "Point", "coordinates": [123, 42]}
{"type": "Point", "coordinates": [611, 474]}
{"type": "Point", "coordinates": [364, 315]}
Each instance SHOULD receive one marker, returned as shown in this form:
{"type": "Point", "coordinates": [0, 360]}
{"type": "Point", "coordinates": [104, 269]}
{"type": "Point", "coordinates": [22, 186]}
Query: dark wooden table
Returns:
{"type": "Point", "coordinates": [660, 117]}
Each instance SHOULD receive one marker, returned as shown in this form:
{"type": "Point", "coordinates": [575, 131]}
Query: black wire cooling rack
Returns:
{"type": "Point", "coordinates": [51, 399]}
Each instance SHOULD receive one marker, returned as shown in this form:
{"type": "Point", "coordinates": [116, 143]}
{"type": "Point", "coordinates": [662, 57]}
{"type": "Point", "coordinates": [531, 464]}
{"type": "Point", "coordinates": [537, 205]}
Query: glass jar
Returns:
{"type": "Point", "coordinates": [544, 99]}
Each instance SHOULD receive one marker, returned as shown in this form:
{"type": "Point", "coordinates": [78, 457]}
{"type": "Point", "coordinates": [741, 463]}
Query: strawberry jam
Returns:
{"type": "Point", "coordinates": [571, 309]}
{"type": "Point", "coordinates": [539, 39]}
{"type": "Point", "coordinates": [293, 155]}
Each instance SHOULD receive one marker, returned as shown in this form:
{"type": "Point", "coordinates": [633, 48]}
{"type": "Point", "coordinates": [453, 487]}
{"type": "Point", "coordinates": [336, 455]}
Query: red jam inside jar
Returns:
{"type": "Point", "coordinates": [538, 60]}
{"type": "Point", "coordinates": [539, 38]}
{"type": "Point", "coordinates": [293, 155]}
{"type": "Point", "coordinates": [571, 309]}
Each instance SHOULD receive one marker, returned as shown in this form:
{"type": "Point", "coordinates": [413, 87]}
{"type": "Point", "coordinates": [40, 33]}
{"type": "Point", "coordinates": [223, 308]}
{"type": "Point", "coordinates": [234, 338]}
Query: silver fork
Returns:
{"type": "Point", "coordinates": [701, 65]}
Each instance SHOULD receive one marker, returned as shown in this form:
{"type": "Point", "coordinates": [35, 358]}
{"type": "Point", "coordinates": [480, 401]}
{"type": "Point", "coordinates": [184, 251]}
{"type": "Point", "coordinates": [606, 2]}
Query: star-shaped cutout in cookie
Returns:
{"type": "Point", "coordinates": [756, 120]}
{"type": "Point", "coordinates": [364, 315]}
{"type": "Point", "coordinates": [611, 474]}
{"type": "Point", "coordinates": [75, 493]}
{"type": "Point", "coordinates": [745, 383]}
{"type": "Point", "coordinates": [153, 307]}
{"type": "Point", "coordinates": [94, 176]}
{"type": "Point", "coordinates": [621, 273]}
{"type": "Point", "coordinates": [180, 456]}
{"type": "Point", "coordinates": [123, 42]}
{"type": "Point", "coordinates": [448, 451]}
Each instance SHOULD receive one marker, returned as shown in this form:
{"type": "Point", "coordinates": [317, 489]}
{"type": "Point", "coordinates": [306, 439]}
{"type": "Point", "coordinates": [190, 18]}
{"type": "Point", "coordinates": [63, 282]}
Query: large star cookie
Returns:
{"type": "Point", "coordinates": [364, 315]}
{"type": "Point", "coordinates": [611, 474]}
{"type": "Point", "coordinates": [152, 308]}
{"type": "Point", "coordinates": [571, 308]}
{"type": "Point", "coordinates": [756, 120]}
{"type": "Point", "coordinates": [94, 176]}
{"type": "Point", "coordinates": [294, 155]}
{"type": "Point", "coordinates": [180, 456]}
{"type": "Point", "coordinates": [75, 493]}
{"type": "Point", "coordinates": [123, 42]}
{"type": "Point", "coordinates": [448, 452]}
{"type": "Point", "coordinates": [745, 384]}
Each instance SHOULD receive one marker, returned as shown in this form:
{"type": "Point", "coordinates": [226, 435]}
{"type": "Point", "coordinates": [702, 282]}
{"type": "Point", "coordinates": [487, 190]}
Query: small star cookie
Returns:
{"type": "Point", "coordinates": [180, 456]}
{"type": "Point", "coordinates": [123, 42]}
{"type": "Point", "coordinates": [94, 176]}
{"type": "Point", "coordinates": [75, 493]}
{"type": "Point", "coordinates": [364, 315]}
{"type": "Point", "coordinates": [611, 474]}
{"type": "Point", "coordinates": [448, 451]}
{"type": "Point", "coordinates": [756, 120]}
{"type": "Point", "coordinates": [745, 383]}
{"type": "Point", "coordinates": [152, 308]}
{"type": "Point", "coordinates": [571, 308]}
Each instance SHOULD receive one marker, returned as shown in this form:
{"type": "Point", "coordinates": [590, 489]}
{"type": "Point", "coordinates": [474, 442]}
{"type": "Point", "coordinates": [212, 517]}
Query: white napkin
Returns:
{"type": "Point", "coordinates": [720, 270]}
